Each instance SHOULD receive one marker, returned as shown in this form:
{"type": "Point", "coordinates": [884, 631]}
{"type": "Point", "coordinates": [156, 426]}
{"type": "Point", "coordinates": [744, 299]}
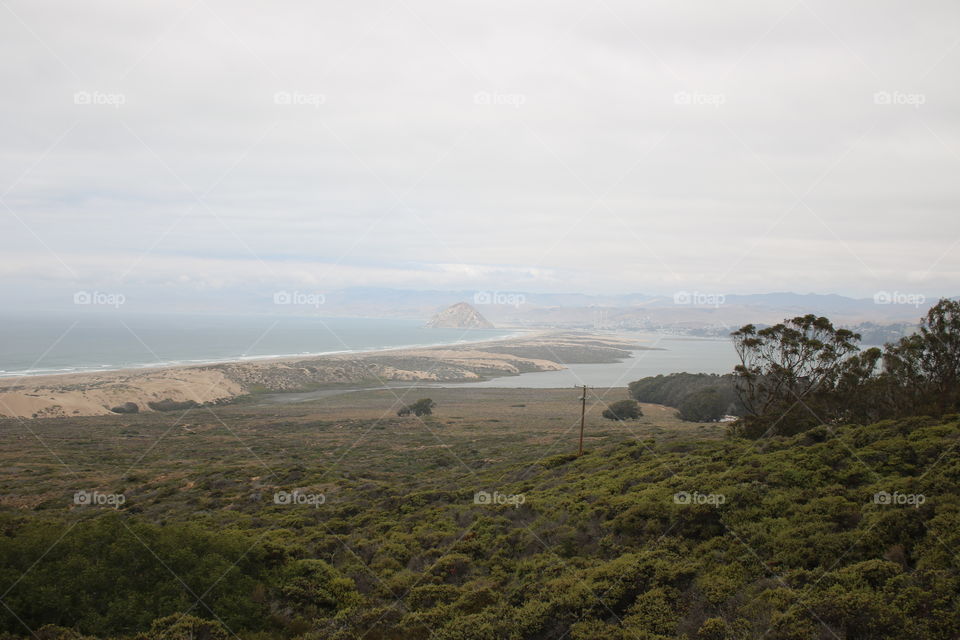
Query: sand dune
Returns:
{"type": "Point", "coordinates": [176, 387]}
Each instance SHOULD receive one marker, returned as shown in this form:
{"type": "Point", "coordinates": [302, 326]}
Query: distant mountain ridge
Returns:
{"type": "Point", "coordinates": [685, 311]}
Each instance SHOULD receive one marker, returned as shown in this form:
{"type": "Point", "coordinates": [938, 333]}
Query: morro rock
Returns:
{"type": "Point", "coordinates": [459, 316]}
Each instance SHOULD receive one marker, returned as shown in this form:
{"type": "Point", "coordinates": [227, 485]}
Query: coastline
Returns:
{"type": "Point", "coordinates": [180, 387]}
{"type": "Point", "coordinates": [178, 364]}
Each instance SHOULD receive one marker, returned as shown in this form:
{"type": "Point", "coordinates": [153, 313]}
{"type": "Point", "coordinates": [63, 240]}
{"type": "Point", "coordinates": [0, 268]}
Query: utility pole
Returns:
{"type": "Point", "coordinates": [583, 414]}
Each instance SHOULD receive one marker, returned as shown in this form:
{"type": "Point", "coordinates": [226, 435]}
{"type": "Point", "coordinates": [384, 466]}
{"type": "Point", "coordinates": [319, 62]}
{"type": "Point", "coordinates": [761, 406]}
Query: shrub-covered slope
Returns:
{"type": "Point", "coordinates": [846, 533]}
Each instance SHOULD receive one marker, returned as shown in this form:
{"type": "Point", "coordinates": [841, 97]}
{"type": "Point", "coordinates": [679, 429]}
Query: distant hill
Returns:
{"type": "Point", "coordinates": [459, 316]}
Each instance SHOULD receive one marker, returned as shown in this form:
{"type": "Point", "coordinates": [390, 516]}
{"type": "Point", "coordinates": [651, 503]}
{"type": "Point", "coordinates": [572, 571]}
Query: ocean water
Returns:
{"type": "Point", "coordinates": [47, 344]}
{"type": "Point", "coordinates": [670, 354]}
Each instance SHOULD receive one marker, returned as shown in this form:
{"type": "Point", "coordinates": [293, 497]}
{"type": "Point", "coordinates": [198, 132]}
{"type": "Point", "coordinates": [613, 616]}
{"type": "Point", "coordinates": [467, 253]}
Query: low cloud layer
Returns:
{"type": "Point", "coordinates": [603, 147]}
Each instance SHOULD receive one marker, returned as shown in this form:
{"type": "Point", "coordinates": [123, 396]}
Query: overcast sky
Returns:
{"type": "Point", "coordinates": [596, 146]}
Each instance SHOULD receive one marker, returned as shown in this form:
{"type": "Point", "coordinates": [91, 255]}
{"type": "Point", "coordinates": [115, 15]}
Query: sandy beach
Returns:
{"type": "Point", "coordinates": [177, 388]}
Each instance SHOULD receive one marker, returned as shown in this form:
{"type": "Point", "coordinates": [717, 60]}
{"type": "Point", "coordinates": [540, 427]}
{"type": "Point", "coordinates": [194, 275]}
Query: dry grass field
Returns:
{"type": "Point", "coordinates": [349, 435]}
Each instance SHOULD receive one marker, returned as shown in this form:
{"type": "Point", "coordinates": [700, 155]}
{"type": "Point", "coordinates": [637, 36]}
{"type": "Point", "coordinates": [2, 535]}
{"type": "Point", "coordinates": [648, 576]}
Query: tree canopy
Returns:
{"type": "Point", "coordinates": [623, 410]}
{"type": "Point", "coordinates": [422, 407]}
{"type": "Point", "coordinates": [804, 372]}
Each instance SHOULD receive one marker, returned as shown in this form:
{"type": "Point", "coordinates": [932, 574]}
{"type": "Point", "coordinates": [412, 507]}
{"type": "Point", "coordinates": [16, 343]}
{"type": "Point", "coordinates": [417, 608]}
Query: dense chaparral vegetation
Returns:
{"type": "Point", "coordinates": [831, 510]}
{"type": "Point", "coordinates": [600, 548]}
